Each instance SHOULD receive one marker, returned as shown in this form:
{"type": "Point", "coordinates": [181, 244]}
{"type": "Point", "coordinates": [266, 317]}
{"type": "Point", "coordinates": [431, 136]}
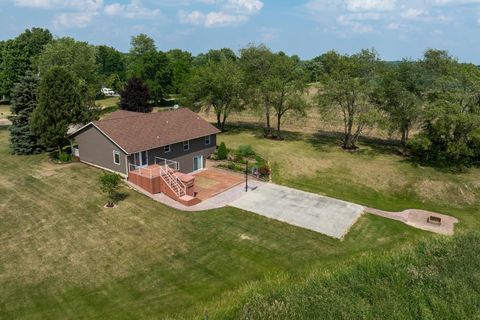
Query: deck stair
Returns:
{"type": "Point", "coordinates": [164, 177]}
{"type": "Point", "coordinates": [177, 186]}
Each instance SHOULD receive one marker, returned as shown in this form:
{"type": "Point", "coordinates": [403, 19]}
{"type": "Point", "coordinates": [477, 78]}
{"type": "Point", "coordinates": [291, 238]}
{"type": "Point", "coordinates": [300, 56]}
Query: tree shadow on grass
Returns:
{"type": "Point", "coordinates": [120, 196]}
{"type": "Point", "coordinates": [366, 145]}
{"type": "Point", "coordinates": [258, 131]}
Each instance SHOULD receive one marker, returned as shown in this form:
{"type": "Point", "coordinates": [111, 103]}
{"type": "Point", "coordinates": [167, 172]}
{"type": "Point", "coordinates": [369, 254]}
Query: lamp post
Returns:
{"type": "Point", "coordinates": [246, 176]}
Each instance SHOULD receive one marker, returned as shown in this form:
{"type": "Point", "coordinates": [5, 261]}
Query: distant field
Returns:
{"type": "Point", "coordinates": [4, 111]}
{"type": "Point", "coordinates": [313, 123]}
{"type": "Point", "coordinates": [375, 176]}
{"type": "Point", "coordinates": [108, 102]}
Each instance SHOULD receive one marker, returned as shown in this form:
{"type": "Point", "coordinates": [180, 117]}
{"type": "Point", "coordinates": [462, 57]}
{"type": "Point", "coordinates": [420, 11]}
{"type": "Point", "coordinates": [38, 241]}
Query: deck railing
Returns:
{"type": "Point", "coordinates": [166, 169]}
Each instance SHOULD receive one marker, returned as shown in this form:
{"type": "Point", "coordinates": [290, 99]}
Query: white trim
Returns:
{"type": "Point", "coordinates": [169, 148]}
{"type": "Point", "coordinates": [209, 140]}
{"type": "Point", "coordinates": [126, 165]}
{"type": "Point", "coordinates": [188, 145]}
{"type": "Point", "coordinates": [116, 152]}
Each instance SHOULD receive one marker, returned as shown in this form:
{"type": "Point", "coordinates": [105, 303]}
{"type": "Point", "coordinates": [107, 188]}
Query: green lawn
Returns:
{"type": "Point", "coordinates": [4, 111]}
{"type": "Point", "coordinates": [62, 255]}
{"type": "Point", "coordinates": [374, 176]}
{"type": "Point", "coordinates": [108, 102]}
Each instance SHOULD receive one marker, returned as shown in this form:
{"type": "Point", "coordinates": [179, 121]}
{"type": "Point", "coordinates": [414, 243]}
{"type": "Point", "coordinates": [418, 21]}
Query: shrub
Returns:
{"type": "Point", "coordinates": [222, 152]}
{"type": "Point", "coordinates": [264, 170]}
{"type": "Point", "coordinates": [64, 157]}
{"type": "Point", "coordinates": [246, 150]}
{"type": "Point", "coordinates": [109, 183]}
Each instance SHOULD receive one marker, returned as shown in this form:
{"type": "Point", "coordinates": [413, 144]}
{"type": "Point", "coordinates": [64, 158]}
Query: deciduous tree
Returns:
{"type": "Point", "coordinates": [450, 133]}
{"type": "Point", "coordinates": [218, 85]}
{"type": "Point", "coordinates": [346, 90]}
{"type": "Point", "coordinates": [78, 58]}
{"type": "Point", "coordinates": [19, 55]}
{"type": "Point", "coordinates": [398, 93]}
{"type": "Point", "coordinates": [112, 66]}
{"type": "Point", "coordinates": [286, 88]}
{"type": "Point", "coordinates": [135, 96]}
{"type": "Point", "coordinates": [256, 63]}
{"type": "Point", "coordinates": [151, 66]}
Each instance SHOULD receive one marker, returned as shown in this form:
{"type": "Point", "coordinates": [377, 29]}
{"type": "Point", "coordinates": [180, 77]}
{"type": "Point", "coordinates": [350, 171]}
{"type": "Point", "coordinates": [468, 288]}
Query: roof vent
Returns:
{"type": "Point", "coordinates": [166, 122]}
{"type": "Point", "coordinates": [158, 137]}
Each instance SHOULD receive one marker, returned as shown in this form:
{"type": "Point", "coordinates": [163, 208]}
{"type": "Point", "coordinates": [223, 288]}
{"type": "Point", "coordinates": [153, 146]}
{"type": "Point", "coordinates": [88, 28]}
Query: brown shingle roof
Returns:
{"type": "Point", "coordinates": [136, 132]}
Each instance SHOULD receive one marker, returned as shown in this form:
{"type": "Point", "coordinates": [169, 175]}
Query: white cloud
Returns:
{"type": "Point", "coordinates": [453, 2]}
{"type": "Point", "coordinates": [229, 13]}
{"type": "Point", "coordinates": [82, 5]}
{"type": "Point", "coordinates": [73, 20]}
{"type": "Point", "coordinates": [193, 17]}
{"type": "Point", "coordinates": [217, 19]}
{"type": "Point", "coordinates": [244, 6]}
{"type": "Point", "coordinates": [370, 5]}
{"type": "Point", "coordinates": [414, 14]}
{"type": "Point", "coordinates": [80, 13]}
{"type": "Point", "coordinates": [133, 10]}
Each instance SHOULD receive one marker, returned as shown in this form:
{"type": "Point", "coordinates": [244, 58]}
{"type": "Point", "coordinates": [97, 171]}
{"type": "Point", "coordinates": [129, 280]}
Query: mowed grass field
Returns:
{"type": "Point", "coordinates": [63, 256]}
{"type": "Point", "coordinates": [4, 111]}
{"type": "Point", "coordinates": [374, 176]}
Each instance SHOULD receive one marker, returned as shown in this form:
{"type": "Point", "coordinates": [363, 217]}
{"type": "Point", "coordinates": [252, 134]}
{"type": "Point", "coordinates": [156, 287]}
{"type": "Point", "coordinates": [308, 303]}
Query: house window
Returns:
{"type": "Point", "coordinates": [166, 149]}
{"type": "Point", "coordinates": [186, 145]}
{"type": "Point", "coordinates": [207, 140]}
{"type": "Point", "coordinates": [116, 157]}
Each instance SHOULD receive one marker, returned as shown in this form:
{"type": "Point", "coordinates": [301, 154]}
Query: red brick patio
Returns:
{"type": "Point", "coordinates": [212, 181]}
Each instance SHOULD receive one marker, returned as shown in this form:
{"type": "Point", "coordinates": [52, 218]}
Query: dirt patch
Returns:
{"type": "Point", "coordinates": [243, 236]}
{"type": "Point", "coordinates": [420, 219]}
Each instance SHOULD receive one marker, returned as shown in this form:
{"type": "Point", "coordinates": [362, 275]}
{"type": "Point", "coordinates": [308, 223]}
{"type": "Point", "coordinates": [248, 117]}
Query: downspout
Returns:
{"type": "Point", "coordinates": [126, 165]}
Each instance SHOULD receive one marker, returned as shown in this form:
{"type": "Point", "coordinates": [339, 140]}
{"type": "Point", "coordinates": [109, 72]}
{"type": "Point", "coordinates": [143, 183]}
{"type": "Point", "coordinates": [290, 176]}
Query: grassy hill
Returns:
{"type": "Point", "coordinates": [62, 255]}
{"type": "Point", "coordinates": [436, 279]}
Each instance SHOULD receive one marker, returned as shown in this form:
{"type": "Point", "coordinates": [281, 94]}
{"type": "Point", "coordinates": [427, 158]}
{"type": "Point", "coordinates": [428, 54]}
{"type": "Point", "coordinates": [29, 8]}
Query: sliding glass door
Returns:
{"type": "Point", "coordinates": [140, 159]}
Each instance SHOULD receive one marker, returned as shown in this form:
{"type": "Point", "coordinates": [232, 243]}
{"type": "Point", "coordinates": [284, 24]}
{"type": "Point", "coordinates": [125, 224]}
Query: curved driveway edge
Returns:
{"type": "Point", "coordinates": [322, 214]}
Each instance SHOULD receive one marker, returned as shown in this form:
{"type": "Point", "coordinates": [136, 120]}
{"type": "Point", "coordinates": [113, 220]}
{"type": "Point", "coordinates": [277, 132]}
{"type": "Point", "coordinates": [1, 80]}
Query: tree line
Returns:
{"type": "Point", "coordinates": [53, 83]}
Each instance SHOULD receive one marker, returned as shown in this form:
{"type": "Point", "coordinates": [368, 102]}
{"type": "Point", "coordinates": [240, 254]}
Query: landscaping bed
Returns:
{"type": "Point", "coordinates": [240, 159]}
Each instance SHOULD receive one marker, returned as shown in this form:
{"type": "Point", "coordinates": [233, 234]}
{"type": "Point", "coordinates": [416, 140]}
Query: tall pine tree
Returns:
{"type": "Point", "coordinates": [59, 105]}
{"type": "Point", "coordinates": [23, 102]}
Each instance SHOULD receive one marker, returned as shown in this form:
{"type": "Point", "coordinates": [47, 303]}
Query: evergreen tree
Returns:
{"type": "Point", "coordinates": [59, 105]}
{"type": "Point", "coordinates": [24, 101]}
{"type": "Point", "coordinates": [135, 96]}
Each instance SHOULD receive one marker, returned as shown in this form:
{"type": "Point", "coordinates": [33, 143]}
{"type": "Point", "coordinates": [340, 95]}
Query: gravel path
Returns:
{"type": "Point", "coordinates": [418, 219]}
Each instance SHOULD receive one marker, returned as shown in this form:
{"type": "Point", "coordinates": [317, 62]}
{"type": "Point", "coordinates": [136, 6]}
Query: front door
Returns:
{"type": "Point", "coordinates": [140, 159]}
{"type": "Point", "coordinates": [197, 163]}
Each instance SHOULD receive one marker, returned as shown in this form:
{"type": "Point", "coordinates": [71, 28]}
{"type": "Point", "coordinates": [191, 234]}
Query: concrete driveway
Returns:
{"type": "Point", "coordinates": [303, 209]}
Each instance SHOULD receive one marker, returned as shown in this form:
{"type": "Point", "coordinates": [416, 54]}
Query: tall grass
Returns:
{"type": "Point", "coordinates": [439, 278]}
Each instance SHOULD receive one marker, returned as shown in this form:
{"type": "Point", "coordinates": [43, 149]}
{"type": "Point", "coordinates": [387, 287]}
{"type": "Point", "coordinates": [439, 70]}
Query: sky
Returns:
{"type": "Point", "coordinates": [396, 29]}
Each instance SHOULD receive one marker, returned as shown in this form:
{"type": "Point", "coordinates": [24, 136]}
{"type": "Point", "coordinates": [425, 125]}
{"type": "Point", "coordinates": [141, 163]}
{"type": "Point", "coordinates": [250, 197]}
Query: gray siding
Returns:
{"type": "Point", "coordinates": [185, 158]}
{"type": "Point", "coordinates": [97, 149]}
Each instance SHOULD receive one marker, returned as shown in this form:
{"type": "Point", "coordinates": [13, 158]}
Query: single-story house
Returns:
{"type": "Point", "coordinates": [125, 140]}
